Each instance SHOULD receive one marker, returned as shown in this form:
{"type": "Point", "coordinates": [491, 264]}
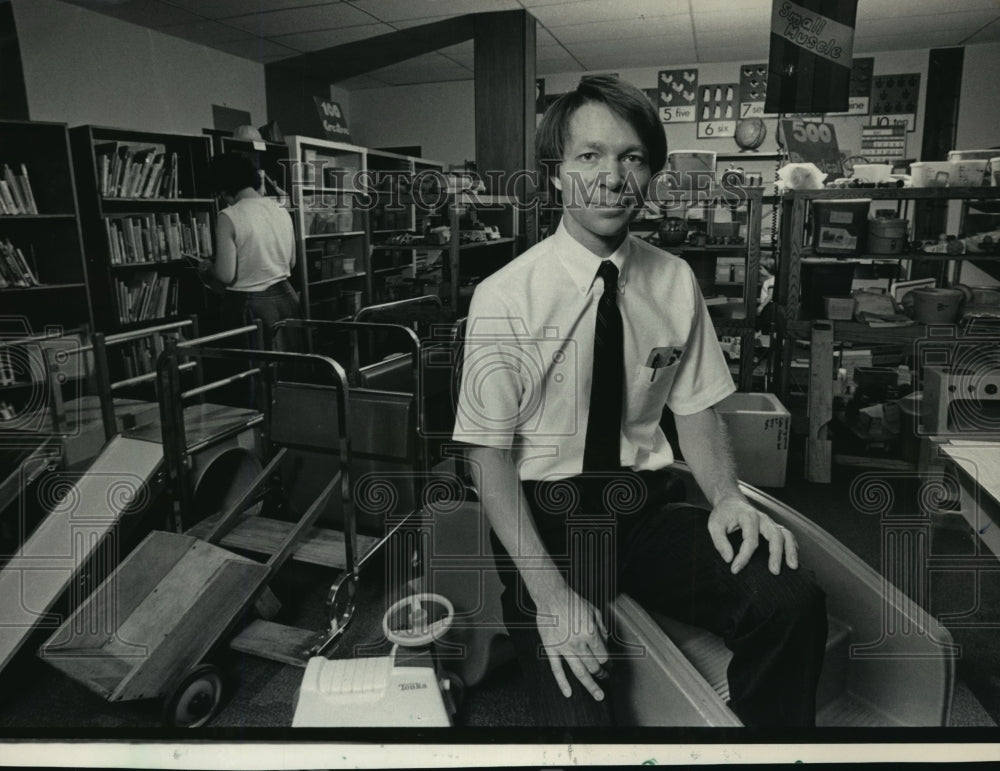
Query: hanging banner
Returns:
{"type": "Point", "coordinates": [333, 120]}
{"type": "Point", "coordinates": [717, 110]}
{"type": "Point", "coordinates": [809, 66]}
{"type": "Point", "coordinates": [894, 100]}
{"type": "Point", "coordinates": [677, 91]}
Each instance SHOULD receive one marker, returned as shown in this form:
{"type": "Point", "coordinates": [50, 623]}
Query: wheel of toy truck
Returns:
{"type": "Point", "coordinates": [196, 698]}
{"type": "Point", "coordinates": [421, 628]}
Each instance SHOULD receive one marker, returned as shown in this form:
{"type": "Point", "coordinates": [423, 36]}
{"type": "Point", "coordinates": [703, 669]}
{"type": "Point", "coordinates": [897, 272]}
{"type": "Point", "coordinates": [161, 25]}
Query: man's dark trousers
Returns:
{"type": "Point", "coordinates": [659, 552]}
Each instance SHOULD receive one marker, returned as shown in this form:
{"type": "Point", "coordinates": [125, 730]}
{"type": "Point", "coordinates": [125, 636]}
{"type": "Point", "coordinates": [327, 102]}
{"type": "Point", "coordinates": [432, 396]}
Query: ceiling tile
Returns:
{"type": "Point", "coordinates": [585, 11]}
{"type": "Point", "coordinates": [553, 59]}
{"type": "Point", "coordinates": [402, 10]}
{"type": "Point", "coordinates": [328, 38]}
{"type": "Point", "coordinates": [967, 21]}
{"type": "Point", "coordinates": [148, 13]}
{"type": "Point", "coordinates": [257, 49]}
{"type": "Point", "coordinates": [663, 26]}
{"type": "Point", "coordinates": [217, 9]}
{"type": "Point", "coordinates": [543, 37]}
{"type": "Point", "coordinates": [989, 34]}
{"type": "Point", "coordinates": [431, 66]}
{"type": "Point", "coordinates": [309, 19]}
{"type": "Point", "coordinates": [941, 39]}
{"type": "Point", "coordinates": [640, 52]}
{"type": "Point", "coordinates": [734, 27]}
{"type": "Point", "coordinates": [726, 53]}
{"type": "Point", "coordinates": [463, 53]}
{"type": "Point", "coordinates": [900, 9]}
{"type": "Point", "coordinates": [207, 32]}
{"type": "Point", "coordinates": [745, 7]}
{"type": "Point", "coordinates": [361, 82]}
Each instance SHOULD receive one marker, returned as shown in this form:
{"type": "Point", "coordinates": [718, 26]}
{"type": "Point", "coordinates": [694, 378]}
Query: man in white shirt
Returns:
{"type": "Point", "coordinates": [572, 352]}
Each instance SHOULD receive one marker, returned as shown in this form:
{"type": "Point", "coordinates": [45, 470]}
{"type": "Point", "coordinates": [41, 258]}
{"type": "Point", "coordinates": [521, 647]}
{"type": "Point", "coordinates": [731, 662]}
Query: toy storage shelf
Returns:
{"type": "Point", "coordinates": [790, 324]}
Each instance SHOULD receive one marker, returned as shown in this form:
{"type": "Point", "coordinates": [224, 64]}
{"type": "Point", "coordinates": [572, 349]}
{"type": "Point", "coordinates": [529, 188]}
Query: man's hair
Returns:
{"type": "Point", "coordinates": [231, 172]}
{"type": "Point", "coordinates": [623, 99]}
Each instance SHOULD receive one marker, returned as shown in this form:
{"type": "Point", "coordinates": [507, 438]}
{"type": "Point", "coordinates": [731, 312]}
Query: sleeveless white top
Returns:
{"type": "Point", "coordinates": [265, 243]}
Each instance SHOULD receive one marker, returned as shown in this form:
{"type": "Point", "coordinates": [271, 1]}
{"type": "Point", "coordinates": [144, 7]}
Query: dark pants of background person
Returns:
{"type": "Point", "coordinates": [239, 309]}
{"type": "Point", "coordinates": [270, 306]}
{"type": "Point", "coordinates": [663, 557]}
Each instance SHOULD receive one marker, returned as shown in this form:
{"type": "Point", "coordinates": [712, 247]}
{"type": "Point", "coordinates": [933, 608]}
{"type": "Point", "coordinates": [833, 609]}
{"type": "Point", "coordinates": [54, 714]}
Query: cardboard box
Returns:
{"type": "Point", "coordinates": [759, 427]}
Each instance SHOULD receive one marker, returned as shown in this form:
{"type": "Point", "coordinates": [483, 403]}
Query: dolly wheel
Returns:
{"type": "Point", "coordinates": [196, 699]}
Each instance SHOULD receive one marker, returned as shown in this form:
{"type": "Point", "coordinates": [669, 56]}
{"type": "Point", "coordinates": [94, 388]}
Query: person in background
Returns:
{"type": "Point", "coordinates": [572, 352]}
{"type": "Point", "coordinates": [254, 249]}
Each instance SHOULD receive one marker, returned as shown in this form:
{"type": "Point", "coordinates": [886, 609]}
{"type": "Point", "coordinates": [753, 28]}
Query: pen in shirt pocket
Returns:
{"type": "Point", "coordinates": [655, 364]}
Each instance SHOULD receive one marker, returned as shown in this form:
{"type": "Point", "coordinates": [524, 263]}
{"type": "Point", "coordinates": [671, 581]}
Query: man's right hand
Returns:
{"type": "Point", "coordinates": [572, 631]}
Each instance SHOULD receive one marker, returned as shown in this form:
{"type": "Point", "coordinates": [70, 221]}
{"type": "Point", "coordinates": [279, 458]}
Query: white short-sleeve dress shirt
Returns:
{"type": "Point", "coordinates": [528, 356]}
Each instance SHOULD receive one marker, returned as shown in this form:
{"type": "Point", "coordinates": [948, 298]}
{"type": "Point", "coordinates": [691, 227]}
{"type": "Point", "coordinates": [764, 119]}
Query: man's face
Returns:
{"type": "Point", "coordinates": [603, 177]}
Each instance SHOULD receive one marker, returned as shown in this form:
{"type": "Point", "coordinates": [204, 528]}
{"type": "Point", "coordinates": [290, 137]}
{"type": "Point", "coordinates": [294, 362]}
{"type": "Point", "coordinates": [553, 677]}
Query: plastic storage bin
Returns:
{"type": "Point", "coordinates": [759, 427]}
{"type": "Point", "coordinates": [841, 226]}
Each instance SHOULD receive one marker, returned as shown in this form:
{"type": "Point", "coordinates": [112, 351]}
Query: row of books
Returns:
{"type": "Point", "coordinates": [16, 196]}
{"type": "Point", "coordinates": [158, 237]}
{"type": "Point", "coordinates": [146, 296]}
{"type": "Point", "coordinates": [139, 357]}
{"type": "Point", "coordinates": [14, 268]}
{"type": "Point", "coordinates": [125, 170]}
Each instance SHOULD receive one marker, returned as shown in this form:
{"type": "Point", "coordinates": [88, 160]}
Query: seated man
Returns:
{"type": "Point", "coordinates": [573, 351]}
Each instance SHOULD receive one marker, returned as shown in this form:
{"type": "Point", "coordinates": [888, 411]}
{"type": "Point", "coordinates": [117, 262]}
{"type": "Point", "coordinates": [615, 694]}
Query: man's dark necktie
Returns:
{"type": "Point", "coordinates": [602, 449]}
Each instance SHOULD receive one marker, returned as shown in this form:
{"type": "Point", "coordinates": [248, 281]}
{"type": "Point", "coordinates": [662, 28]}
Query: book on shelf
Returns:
{"type": "Point", "coordinates": [160, 237]}
{"type": "Point", "coordinates": [146, 296]}
{"type": "Point", "coordinates": [136, 170]}
{"type": "Point", "coordinates": [14, 268]}
{"type": "Point", "coordinates": [139, 357]}
{"type": "Point", "coordinates": [16, 196]}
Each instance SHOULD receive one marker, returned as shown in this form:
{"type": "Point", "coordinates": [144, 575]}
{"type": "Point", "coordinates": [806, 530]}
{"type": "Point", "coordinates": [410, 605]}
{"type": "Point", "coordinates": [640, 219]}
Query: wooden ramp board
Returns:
{"type": "Point", "coordinates": [319, 546]}
{"type": "Point", "coordinates": [277, 642]}
{"type": "Point", "coordinates": [47, 563]}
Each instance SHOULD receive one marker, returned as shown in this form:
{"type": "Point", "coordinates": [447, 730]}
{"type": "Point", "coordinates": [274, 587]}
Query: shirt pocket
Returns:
{"type": "Point", "coordinates": [647, 392]}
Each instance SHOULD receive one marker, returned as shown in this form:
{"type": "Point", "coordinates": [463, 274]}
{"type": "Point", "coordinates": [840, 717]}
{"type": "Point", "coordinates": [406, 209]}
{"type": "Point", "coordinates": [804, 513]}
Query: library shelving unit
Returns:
{"type": "Point", "coordinates": [327, 203]}
{"type": "Point", "coordinates": [272, 158]}
{"type": "Point", "coordinates": [406, 193]}
{"type": "Point", "coordinates": [49, 286]}
{"type": "Point", "coordinates": [146, 216]}
{"type": "Point", "coordinates": [484, 238]}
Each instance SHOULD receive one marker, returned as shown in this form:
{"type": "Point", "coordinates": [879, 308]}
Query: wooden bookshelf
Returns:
{"type": "Point", "coordinates": [144, 227]}
{"type": "Point", "coordinates": [53, 291]}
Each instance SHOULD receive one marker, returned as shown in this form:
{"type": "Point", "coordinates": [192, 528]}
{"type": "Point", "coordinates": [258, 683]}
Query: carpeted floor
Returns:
{"type": "Point", "coordinates": [35, 699]}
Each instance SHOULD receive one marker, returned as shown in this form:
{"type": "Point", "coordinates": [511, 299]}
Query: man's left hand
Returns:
{"type": "Point", "coordinates": [735, 513]}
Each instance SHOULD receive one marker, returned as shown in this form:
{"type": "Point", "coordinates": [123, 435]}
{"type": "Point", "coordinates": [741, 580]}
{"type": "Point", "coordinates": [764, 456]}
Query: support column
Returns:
{"type": "Point", "coordinates": [505, 102]}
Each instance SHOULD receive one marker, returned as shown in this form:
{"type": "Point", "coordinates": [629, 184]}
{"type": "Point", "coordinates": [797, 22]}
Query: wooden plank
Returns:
{"type": "Point", "coordinates": [319, 546]}
{"type": "Point", "coordinates": [118, 595]}
{"type": "Point", "coordinates": [47, 563]}
{"type": "Point", "coordinates": [165, 606]}
{"type": "Point", "coordinates": [213, 612]}
{"type": "Point", "coordinates": [819, 448]}
{"type": "Point", "coordinates": [278, 642]}
{"type": "Point", "coordinates": [100, 671]}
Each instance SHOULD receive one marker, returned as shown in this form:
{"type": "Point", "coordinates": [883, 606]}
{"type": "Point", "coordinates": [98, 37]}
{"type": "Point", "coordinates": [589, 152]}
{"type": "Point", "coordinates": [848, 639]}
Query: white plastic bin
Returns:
{"type": "Point", "coordinates": [759, 428]}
